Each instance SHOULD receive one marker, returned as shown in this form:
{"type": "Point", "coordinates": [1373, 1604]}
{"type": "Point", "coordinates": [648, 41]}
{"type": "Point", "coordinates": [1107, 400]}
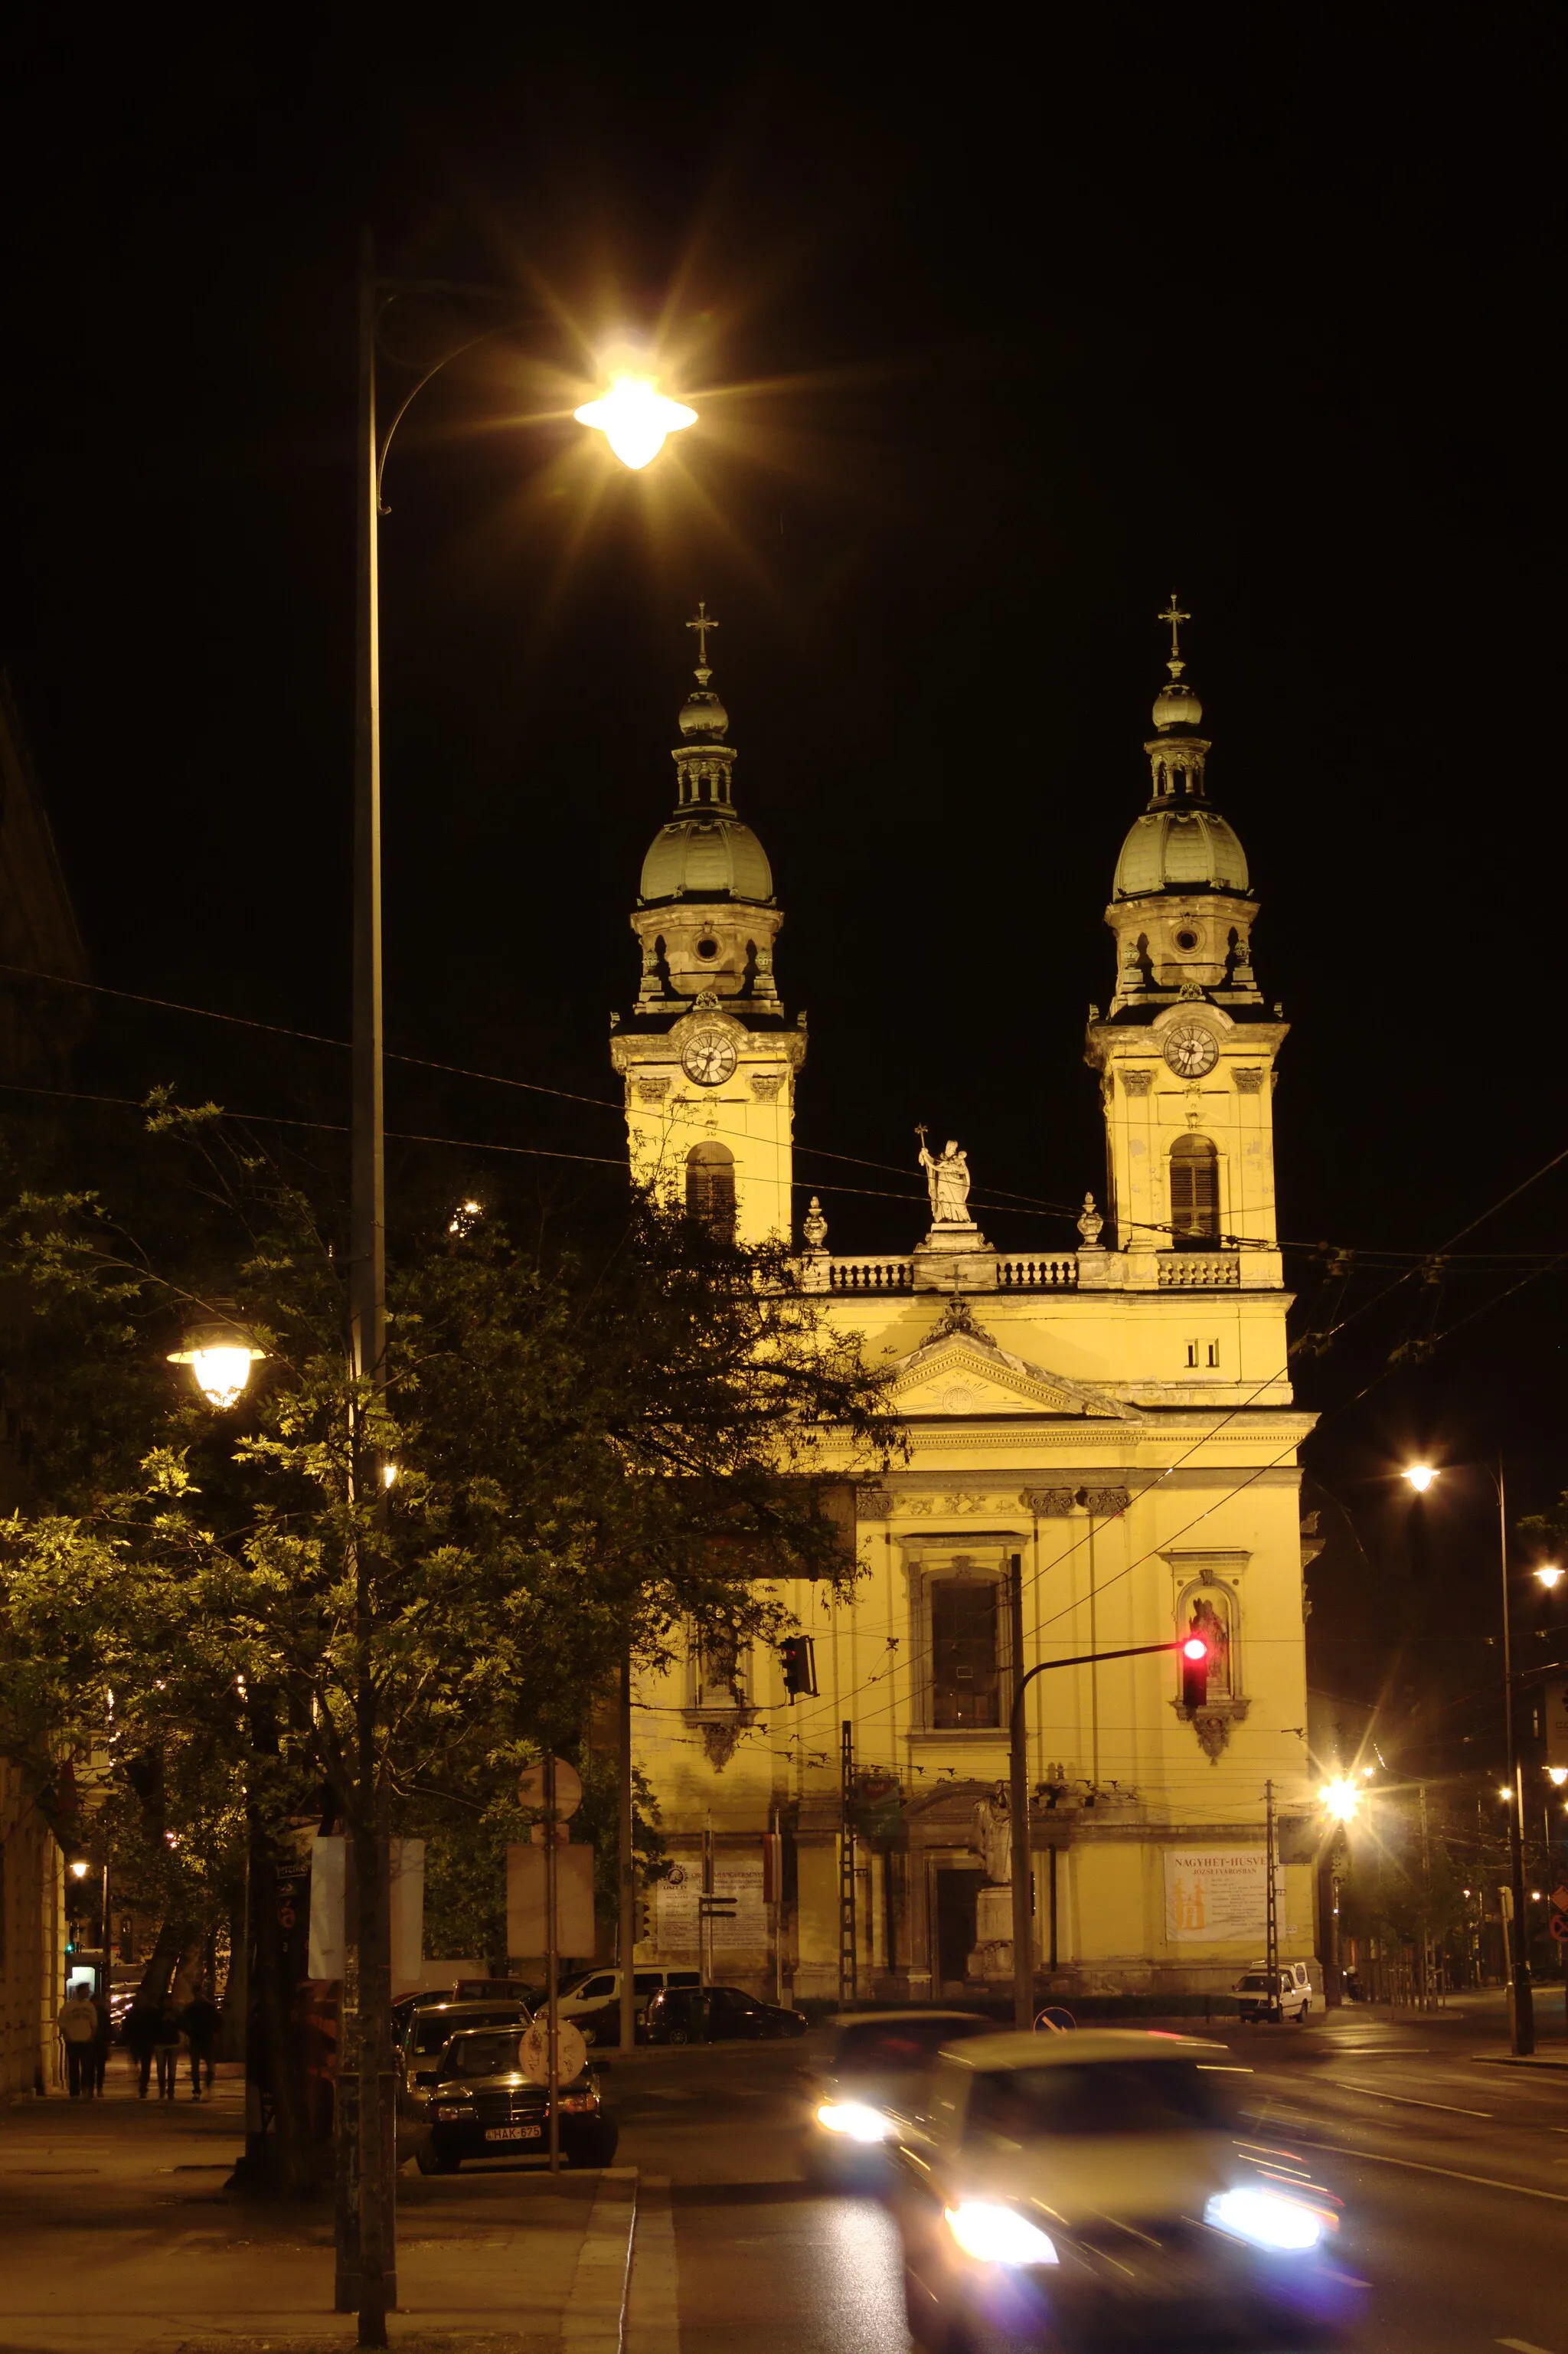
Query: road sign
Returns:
{"type": "Point", "coordinates": [533, 2051]}
{"type": "Point", "coordinates": [1560, 1927]}
{"type": "Point", "coordinates": [568, 1789]}
{"type": "Point", "coordinates": [1560, 1899]}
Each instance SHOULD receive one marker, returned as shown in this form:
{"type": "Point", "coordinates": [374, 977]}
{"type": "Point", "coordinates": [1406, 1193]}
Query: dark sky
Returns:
{"type": "Point", "coordinates": [995, 339]}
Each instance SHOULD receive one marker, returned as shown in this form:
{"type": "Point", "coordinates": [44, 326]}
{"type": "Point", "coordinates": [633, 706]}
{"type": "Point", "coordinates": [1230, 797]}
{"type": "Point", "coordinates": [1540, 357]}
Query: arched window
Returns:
{"type": "Point", "coordinates": [710, 1188]}
{"type": "Point", "coordinates": [1194, 1190]}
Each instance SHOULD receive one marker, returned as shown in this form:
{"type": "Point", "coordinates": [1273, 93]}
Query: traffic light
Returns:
{"type": "Point", "coordinates": [644, 1929]}
{"type": "Point", "coordinates": [799, 1666]}
{"type": "Point", "coordinates": [1194, 1672]}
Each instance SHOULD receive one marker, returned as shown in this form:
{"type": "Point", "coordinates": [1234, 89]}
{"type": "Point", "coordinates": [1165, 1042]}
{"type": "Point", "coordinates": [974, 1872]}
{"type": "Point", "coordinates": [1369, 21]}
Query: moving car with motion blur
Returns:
{"type": "Point", "coordinates": [873, 2079]}
{"type": "Point", "coordinates": [1060, 2191]}
{"type": "Point", "coordinates": [717, 2015]}
{"type": "Point", "coordinates": [483, 2105]}
{"type": "Point", "coordinates": [428, 2030]}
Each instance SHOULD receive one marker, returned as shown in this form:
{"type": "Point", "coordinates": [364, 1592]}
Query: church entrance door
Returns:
{"type": "Point", "coordinates": [957, 1894]}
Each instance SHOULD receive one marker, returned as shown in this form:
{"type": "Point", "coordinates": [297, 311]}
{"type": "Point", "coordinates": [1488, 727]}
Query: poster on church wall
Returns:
{"type": "Point", "coordinates": [680, 1935]}
{"type": "Point", "coordinates": [1218, 1893]}
{"type": "Point", "coordinates": [676, 1914]}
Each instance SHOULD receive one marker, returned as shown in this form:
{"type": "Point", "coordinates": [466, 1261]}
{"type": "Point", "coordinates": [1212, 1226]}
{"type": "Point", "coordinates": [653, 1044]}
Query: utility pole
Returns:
{"type": "Point", "coordinates": [627, 1942]}
{"type": "Point", "coordinates": [846, 1868]}
{"type": "Point", "coordinates": [1018, 1808]}
{"type": "Point", "coordinates": [1522, 2006]}
{"type": "Point", "coordinates": [1271, 1907]}
{"type": "Point", "coordinates": [552, 1961]}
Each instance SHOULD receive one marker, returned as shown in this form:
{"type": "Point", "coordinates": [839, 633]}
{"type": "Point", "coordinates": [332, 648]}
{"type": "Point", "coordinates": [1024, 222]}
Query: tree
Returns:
{"type": "Point", "coordinates": [578, 1453]}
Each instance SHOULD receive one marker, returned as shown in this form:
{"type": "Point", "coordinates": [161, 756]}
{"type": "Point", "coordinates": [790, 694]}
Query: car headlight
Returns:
{"type": "Point", "coordinates": [852, 2117]}
{"type": "Point", "coordinates": [451, 2112]}
{"type": "Point", "coordinates": [1284, 2226]}
{"type": "Point", "coordinates": [997, 2235]}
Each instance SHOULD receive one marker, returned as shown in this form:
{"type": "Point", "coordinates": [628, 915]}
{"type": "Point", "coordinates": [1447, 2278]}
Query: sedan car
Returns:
{"type": "Point", "coordinates": [483, 2105]}
{"type": "Point", "coordinates": [717, 2015]}
{"type": "Point", "coordinates": [872, 2080]}
{"type": "Point", "coordinates": [1064, 2190]}
{"type": "Point", "coordinates": [428, 2031]}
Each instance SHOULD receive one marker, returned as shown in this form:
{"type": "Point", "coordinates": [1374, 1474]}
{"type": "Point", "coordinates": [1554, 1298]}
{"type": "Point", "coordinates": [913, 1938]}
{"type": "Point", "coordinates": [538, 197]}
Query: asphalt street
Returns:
{"type": "Point", "coordinates": [115, 2231]}
{"type": "Point", "coordinates": [1453, 2174]}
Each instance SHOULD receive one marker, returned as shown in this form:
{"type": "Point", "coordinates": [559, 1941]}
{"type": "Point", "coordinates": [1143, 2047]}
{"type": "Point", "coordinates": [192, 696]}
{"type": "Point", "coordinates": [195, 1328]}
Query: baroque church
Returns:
{"type": "Point", "coordinates": [1103, 1453]}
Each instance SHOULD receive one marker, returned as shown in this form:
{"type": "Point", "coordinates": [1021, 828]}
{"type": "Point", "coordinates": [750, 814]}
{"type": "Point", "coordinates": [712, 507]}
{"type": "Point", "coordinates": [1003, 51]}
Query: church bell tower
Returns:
{"type": "Point", "coordinates": [707, 1054]}
{"type": "Point", "coordinates": [1186, 1052]}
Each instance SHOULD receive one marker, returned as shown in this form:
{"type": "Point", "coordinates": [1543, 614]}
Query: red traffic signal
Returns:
{"type": "Point", "coordinates": [1194, 1672]}
{"type": "Point", "coordinates": [800, 1661]}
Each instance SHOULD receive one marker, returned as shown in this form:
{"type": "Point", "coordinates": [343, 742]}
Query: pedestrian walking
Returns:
{"type": "Point", "coordinates": [102, 2041]}
{"type": "Point", "coordinates": [202, 2021]}
{"type": "Point", "coordinates": [140, 2033]}
{"type": "Point", "coordinates": [77, 2026]}
{"type": "Point", "coordinates": [167, 2049]}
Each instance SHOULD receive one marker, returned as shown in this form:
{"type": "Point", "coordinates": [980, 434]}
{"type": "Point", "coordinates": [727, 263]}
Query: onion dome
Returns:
{"type": "Point", "coordinates": [1181, 843]}
{"type": "Point", "coordinates": [1183, 849]}
{"type": "Point", "coordinates": [705, 851]}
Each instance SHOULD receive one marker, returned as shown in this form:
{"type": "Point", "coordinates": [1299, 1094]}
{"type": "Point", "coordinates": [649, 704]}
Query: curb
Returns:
{"type": "Point", "coordinates": [654, 2308]}
{"type": "Point", "coordinates": [1517, 2059]}
{"type": "Point", "coordinates": [594, 2321]}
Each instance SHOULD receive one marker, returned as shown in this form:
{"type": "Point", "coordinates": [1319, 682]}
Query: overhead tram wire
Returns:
{"type": "Point", "coordinates": [1008, 1201]}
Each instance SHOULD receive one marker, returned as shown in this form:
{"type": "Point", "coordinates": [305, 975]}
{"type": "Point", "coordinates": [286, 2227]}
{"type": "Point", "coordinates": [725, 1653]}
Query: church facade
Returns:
{"type": "Point", "coordinates": [1103, 1453]}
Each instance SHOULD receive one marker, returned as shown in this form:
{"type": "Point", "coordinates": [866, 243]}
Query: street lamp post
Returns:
{"type": "Point", "coordinates": [1521, 2011]}
{"type": "Point", "coordinates": [635, 418]}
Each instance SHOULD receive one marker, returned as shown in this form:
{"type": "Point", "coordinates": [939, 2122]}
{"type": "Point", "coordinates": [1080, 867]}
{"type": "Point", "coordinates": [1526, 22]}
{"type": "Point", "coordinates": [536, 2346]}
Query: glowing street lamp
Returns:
{"type": "Point", "coordinates": [1557, 1775]}
{"type": "Point", "coordinates": [635, 418]}
{"type": "Point", "coordinates": [79, 1870]}
{"type": "Point", "coordinates": [1340, 1798]}
{"type": "Point", "coordinates": [1549, 1573]}
{"type": "Point", "coordinates": [220, 1357]}
{"type": "Point", "coordinates": [1420, 1476]}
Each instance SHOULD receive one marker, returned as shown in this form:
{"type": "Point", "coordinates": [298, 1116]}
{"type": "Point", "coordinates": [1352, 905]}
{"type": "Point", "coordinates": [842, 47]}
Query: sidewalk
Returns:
{"type": "Point", "coordinates": [116, 2237]}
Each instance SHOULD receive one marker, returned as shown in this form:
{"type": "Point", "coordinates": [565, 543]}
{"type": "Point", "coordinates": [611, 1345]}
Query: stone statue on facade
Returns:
{"type": "Point", "coordinates": [948, 1183]}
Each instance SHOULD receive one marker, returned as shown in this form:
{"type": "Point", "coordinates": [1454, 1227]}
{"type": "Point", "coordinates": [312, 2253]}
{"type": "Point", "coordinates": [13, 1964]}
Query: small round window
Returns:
{"type": "Point", "coordinates": [1187, 941]}
{"type": "Point", "coordinates": [707, 948]}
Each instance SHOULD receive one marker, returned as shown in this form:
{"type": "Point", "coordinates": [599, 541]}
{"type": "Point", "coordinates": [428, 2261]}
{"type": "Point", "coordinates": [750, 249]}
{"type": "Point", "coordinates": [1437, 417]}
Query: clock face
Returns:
{"type": "Point", "coordinates": [708, 1057]}
{"type": "Point", "coordinates": [1191, 1049]}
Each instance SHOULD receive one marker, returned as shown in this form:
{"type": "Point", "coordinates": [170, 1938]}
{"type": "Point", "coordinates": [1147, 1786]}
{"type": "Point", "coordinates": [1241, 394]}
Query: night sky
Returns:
{"type": "Point", "coordinates": [994, 343]}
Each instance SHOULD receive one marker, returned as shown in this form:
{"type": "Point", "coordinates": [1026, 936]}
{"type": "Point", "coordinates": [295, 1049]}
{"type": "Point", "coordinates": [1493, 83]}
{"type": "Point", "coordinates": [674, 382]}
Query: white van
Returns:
{"type": "Point", "coordinates": [592, 2000]}
{"type": "Point", "coordinates": [1257, 1997]}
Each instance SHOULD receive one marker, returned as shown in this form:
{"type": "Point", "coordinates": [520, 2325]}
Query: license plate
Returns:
{"type": "Point", "coordinates": [513, 2132]}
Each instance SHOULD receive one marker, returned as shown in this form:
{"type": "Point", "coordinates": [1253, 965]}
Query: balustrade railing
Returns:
{"type": "Point", "coordinates": [886, 1273]}
{"type": "Point", "coordinates": [1200, 1270]}
{"type": "Point", "coordinates": [1057, 1274]}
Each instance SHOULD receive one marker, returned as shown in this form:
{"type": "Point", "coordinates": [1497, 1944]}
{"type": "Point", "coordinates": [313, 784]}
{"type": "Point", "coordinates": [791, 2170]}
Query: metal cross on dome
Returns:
{"type": "Point", "coordinates": [705, 622]}
{"type": "Point", "coordinates": [1174, 615]}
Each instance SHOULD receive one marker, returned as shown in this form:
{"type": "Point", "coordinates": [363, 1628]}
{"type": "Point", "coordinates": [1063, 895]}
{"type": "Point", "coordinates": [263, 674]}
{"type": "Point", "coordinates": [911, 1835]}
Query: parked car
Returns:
{"type": "Point", "coordinates": [872, 2078]}
{"type": "Point", "coordinates": [431, 2029]}
{"type": "Point", "coordinates": [592, 2000]}
{"type": "Point", "coordinates": [717, 2015]}
{"type": "Point", "coordinates": [1260, 1995]}
{"type": "Point", "coordinates": [1066, 2189]}
{"type": "Point", "coordinates": [482, 2106]}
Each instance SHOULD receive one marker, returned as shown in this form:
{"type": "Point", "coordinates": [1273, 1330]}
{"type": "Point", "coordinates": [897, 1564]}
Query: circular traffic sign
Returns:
{"type": "Point", "coordinates": [533, 2051]}
{"type": "Point", "coordinates": [1560, 1927]}
{"type": "Point", "coordinates": [568, 1789]}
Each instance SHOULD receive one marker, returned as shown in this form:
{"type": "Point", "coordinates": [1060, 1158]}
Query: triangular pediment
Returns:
{"type": "Point", "coordinates": [964, 1372]}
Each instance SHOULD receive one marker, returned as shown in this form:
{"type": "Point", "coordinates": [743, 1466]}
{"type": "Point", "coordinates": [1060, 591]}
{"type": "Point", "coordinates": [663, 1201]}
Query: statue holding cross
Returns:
{"type": "Point", "coordinates": [948, 1183]}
